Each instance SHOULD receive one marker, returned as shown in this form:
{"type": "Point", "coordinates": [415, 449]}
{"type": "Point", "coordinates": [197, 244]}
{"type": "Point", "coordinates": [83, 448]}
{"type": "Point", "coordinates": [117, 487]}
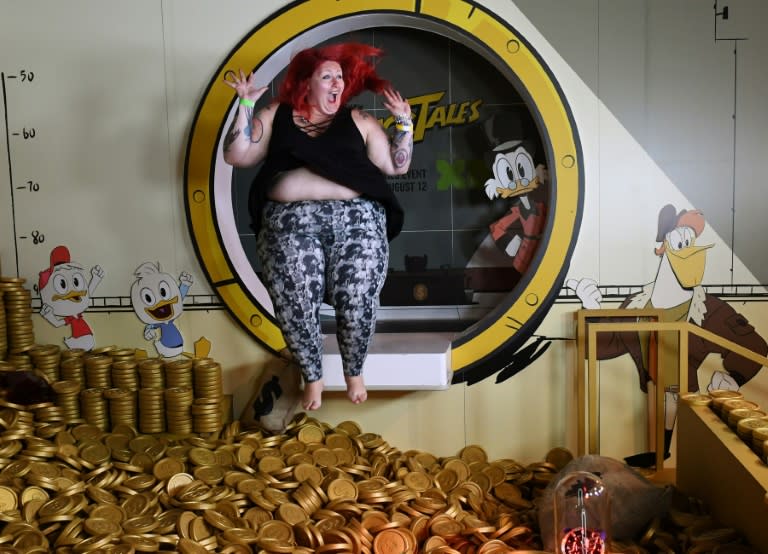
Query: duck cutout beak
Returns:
{"type": "Point", "coordinates": [162, 311]}
{"type": "Point", "coordinates": [72, 296]}
{"type": "Point", "coordinates": [520, 189]}
{"type": "Point", "coordinates": [688, 264]}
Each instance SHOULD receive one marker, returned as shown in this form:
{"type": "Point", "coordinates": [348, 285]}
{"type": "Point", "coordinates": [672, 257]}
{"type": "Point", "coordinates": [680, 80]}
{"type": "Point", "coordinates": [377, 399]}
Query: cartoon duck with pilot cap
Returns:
{"type": "Point", "coordinates": [677, 290]}
{"type": "Point", "coordinates": [158, 301]}
{"type": "Point", "coordinates": [65, 295]}
{"type": "Point", "coordinates": [518, 231]}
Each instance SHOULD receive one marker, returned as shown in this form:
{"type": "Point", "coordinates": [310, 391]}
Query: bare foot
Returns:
{"type": "Point", "coordinates": [356, 389]}
{"type": "Point", "coordinates": [313, 393]}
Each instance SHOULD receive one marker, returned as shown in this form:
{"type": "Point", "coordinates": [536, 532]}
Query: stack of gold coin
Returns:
{"type": "Point", "coordinates": [310, 496]}
{"type": "Point", "coordinates": [104, 351]}
{"type": "Point", "coordinates": [17, 302]}
{"type": "Point", "coordinates": [3, 325]}
{"type": "Point", "coordinates": [21, 361]}
{"type": "Point", "coordinates": [6, 367]}
{"type": "Point", "coordinates": [47, 412]}
{"type": "Point", "coordinates": [93, 407]}
{"type": "Point", "coordinates": [68, 399]}
{"type": "Point", "coordinates": [207, 379]}
{"type": "Point", "coordinates": [98, 371]}
{"type": "Point", "coordinates": [125, 374]}
{"type": "Point", "coordinates": [70, 353]}
{"type": "Point", "coordinates": [720, 396]}
{"type": "Point", "coordinates": [151, 410]}
{"type": "Point", "coordinates": [178, 373]}
{"type": "Point", "coordinates": [122, 354]}
{"type": "Point", "coordinates": [206, 415]}
{"type": "Point", "coordinates": [151, 374]}
{"type": "Point", "coordinates": [46, 359]}
{"type": "Point", "coordinates": [73, 369]}
{"type": "Point", "coordinates": [122, 407]}
{"type": "Point", "coordinates": [178, 404]}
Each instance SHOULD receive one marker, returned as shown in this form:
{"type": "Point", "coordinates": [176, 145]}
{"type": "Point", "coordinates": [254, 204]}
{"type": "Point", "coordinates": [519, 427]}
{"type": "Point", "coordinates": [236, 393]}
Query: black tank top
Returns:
{"type": "Point", "coordinates": [339, 154]}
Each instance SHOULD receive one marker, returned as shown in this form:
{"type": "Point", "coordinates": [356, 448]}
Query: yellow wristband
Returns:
{"type": "Point", "coordinates": [246, 102]}
{"type": "Point", "coordinates": [404, 128]}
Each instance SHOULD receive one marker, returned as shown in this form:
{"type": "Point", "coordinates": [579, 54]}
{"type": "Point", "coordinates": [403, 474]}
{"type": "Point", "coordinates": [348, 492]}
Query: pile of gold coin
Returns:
{"type": "Point", "coordinates": [314, 488]}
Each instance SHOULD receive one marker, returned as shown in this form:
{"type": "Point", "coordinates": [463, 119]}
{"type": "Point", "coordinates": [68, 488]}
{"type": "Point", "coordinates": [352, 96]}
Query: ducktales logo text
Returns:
{"type": "Point", "coordinates": [428, 115]}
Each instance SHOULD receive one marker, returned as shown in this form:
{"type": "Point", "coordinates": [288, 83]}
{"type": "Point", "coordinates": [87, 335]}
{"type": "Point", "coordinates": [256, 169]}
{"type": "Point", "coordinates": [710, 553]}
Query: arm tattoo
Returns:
{"type": "Point", "coordinates": [231, 137]}
{"type": "Point", "coordinates": [401, 149]}
{"type": "Point", "coordinates": [254, 129]}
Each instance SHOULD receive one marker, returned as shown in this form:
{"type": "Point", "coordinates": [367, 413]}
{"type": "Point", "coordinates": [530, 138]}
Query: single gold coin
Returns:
{"type": "Point", "coordinates": [446, 479]}
{"type": "Point", "coordinates": [100, 526]}
{"type": "Point", "coordinates": [271, 464]}
{"type": "Point", "coordinates": [218, 520]}
{"type": "Point", "coordinates": [558, 457]}
{"type": "Point", "coordinates": [303, 472]}
{"type": "Point", "coordinates": [696, 399]}
{"type": "Point", "coordinates": [459, 467]}
{"type": "Point", "coordinates": [8, 499]}
{"type": "Point", "coordinates": [309, 434]}
{"type": "Point", "coordinates": [417, 481]}
{"type": "Point", "coordinates": [473, 453]}
{"type": "Point", "coordinates": [33, 493]}
{"type": "Point", "coordinates": [277, 530]}
{"type": "Point", "coordinates": [189, 546]}
{"type": "Point", "coordinates": [95, 453]}
{"type": "Point", "coordinates": [177, 482]}
{"type": "Point", "coordinates": [202, 456]}
{"type": "Point", "coordinates": [210, 475]}
{"type": "Point", "coordinates": [112, 512]}
{"type": "Point", "coordinates": [390, 541]}
{"type": "Point", "coordinates": [166, 468]}
{"type": "Point", "coordinates": [342, 489]}
{"type": "Point", "coordinates": [291, 513]}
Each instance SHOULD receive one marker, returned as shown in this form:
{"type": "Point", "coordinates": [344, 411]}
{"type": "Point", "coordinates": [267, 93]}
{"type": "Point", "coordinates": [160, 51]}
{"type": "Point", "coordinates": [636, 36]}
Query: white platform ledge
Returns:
{"type": "Point", "coordinates": [396, 361]}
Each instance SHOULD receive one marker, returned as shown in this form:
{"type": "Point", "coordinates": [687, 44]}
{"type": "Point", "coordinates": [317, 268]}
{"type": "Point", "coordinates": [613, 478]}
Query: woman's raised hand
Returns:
{"type": "Point", "coordinates": [244, 85]}
{"type": "Point", "coordinates": [395, 103]}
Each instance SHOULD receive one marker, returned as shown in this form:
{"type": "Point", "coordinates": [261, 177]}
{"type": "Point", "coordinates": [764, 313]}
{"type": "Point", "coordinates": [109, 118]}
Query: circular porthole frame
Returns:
{"type": "Point", "coordinates": [268, 48]}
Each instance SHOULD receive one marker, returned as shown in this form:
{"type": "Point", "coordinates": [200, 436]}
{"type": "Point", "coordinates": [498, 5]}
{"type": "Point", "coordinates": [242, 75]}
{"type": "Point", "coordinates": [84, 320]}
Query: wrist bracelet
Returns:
{"type": "Point", "coordinates": [405, 128]}
{"type": "Point", "coordinates": [403, 119]}
{"type": "Point", "coordinates": [246, 102]}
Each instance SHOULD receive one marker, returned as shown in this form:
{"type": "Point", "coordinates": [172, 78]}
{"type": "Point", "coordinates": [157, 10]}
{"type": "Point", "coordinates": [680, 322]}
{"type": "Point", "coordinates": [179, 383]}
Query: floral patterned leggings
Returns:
{"type": "Point", "coordinates": [325, 250]}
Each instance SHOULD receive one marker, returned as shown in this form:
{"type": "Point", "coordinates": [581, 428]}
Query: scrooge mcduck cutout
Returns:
{"type": "Point", "coordinates": [515, 177]}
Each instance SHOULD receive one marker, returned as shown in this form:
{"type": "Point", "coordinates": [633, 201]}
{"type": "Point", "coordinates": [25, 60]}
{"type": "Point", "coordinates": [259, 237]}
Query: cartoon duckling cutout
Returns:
{"type": "Point", "coordinates": [515, 176]}
{"type": "Point", "coordinates": [157, 300]}
{"type": "Point", "coordinates": [66, 294]}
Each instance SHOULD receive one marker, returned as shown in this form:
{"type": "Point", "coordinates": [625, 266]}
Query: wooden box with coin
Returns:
{"type": "Point", "coordinates": [717, 466]}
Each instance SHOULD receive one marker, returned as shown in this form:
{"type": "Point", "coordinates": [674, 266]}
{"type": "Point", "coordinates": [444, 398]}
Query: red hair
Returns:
{"type": "Point", "coordinates": [357, 67]}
